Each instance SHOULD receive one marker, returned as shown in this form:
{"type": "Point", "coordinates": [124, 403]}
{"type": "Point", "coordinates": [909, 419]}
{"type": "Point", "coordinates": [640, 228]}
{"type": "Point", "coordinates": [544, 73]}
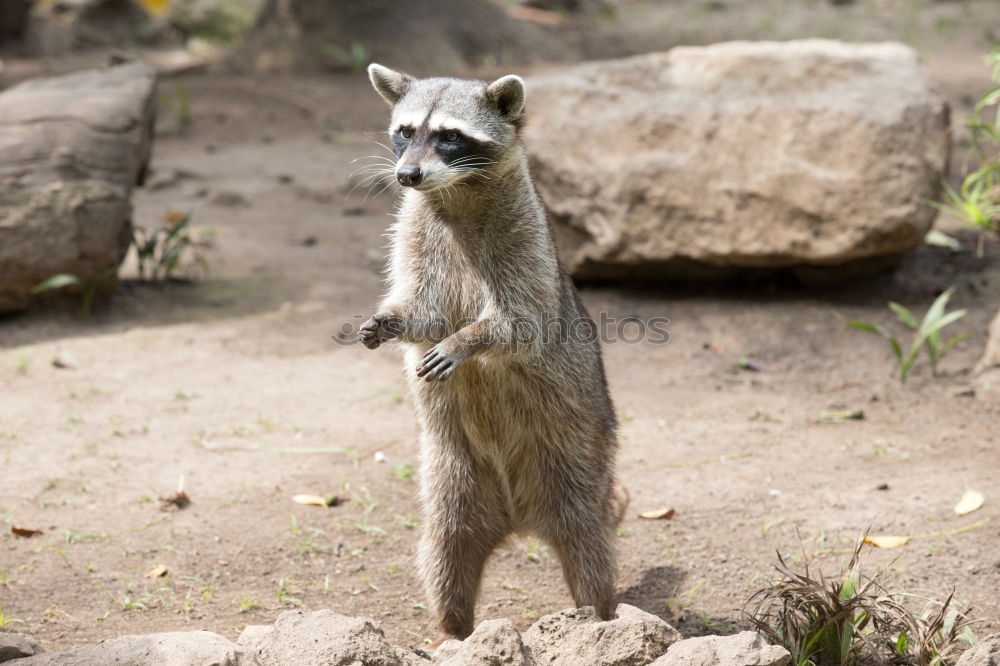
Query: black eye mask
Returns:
{"type": "Point", "coordinates": [464, 149]}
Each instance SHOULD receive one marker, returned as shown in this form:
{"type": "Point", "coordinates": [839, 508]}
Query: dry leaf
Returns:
{"type": "Point", "coordinates": [844, 415]}
{"type": "Point", "coordinates": [657, 514]}
{"type": "Point", "coordinates": [174, 217]}
{"type": "Point", "coordinates": [315, 500]}
{"type": "Point", "coordinates": [178, 500]}
{"type": "Point", "coordinates": [24, 531]}
{"type": "Point", "coordinates": [318, 500]}
{"type": "Point", "coordinates": [541, 16]}
{"type": "Point", "coordinates": [970, 501]}
{"type": "Point", "coordinates": [158, 572]}
{"type": "Point", "coordinates": [887, 541]}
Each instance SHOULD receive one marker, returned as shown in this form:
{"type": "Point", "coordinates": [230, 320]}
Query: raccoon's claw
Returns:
{"type": "Point", "coordinates": [437, 364]}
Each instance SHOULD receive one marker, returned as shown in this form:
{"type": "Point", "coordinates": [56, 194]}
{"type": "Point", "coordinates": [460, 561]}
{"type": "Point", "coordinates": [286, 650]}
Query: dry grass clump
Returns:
{"type": "Point", "coordinates": [854, 619]}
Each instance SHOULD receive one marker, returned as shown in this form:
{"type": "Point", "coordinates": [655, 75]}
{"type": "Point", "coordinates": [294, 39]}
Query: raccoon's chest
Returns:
{"type": "Point", "coordinates": [449, 279]}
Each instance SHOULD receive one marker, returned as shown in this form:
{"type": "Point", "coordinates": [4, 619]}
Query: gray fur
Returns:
{"type": "Point", "coordinates": [514, 437]}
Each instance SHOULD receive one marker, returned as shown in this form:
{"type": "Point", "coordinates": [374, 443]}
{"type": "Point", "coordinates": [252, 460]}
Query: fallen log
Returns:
{"type": "Point", "coordinates": [71, 149]}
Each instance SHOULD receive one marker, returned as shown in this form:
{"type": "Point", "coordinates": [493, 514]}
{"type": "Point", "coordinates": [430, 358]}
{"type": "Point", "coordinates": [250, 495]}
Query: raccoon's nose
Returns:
{"type": "Point", "coordinates": [409, 175]}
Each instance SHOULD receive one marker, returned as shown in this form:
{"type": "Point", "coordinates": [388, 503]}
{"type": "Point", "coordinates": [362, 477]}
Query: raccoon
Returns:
{"type": "Point", "coordinates": [517, 429]}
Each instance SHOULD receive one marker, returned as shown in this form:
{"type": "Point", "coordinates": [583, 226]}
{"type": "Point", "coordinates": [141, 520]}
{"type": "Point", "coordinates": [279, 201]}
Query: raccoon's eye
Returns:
{"type": "Point", "coordinates": [451, 136]}
{"type": "Point", "coordinates": [406, 132]}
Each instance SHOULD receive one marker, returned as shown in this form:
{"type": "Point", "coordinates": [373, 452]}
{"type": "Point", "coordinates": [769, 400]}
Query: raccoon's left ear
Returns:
{"type": "Point", "coordinates": [507, 96]}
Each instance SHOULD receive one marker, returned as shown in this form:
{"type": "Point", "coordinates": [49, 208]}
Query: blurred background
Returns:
{"type": "Point", "coordinates": [193, 209]}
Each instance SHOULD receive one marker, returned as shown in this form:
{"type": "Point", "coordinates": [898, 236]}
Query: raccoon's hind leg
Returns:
{"type": "Point", "coordinates": [588, 564]}
{"type": "Point", "coordinates": [579, 525]}
{"type": "Point", "coordinates": [465, 519]}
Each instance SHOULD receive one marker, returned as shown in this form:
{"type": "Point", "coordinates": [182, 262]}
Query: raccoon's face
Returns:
{"type": "Point", "coordinates": [445, 130]}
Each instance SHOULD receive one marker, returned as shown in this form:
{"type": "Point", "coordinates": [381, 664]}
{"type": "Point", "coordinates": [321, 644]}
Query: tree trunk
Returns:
{"type": "Point", "coordinates": [13, 20]}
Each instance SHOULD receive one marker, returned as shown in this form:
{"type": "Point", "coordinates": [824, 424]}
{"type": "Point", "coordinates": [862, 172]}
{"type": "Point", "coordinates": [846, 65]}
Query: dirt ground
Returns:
{"type": "Point", "coordinates": [235, 384]}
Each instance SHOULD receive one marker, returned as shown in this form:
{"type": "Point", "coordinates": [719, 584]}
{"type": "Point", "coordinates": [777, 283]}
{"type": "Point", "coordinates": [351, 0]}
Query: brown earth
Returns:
{"type": "Point", "coordinates": [234, 383]}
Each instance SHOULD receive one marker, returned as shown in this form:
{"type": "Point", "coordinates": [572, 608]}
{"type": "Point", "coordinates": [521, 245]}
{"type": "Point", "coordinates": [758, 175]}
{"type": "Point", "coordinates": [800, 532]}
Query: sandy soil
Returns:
{"type": "Point", "coordinates": [234, 383]}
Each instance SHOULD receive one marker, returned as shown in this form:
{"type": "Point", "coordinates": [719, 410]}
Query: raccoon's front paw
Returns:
{"type": "Point", "coordinates": [381, 327]}
{"type": "Point", "coordinates": [440, 361]}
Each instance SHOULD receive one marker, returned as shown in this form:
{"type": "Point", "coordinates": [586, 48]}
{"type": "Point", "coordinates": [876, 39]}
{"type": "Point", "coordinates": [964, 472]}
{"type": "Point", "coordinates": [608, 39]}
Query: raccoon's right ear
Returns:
{"type": "Point", "coordinates": [390, 84]}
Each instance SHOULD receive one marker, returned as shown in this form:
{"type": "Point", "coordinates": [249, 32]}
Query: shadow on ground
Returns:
{"type": "Point", "coordinates": [147, 304]}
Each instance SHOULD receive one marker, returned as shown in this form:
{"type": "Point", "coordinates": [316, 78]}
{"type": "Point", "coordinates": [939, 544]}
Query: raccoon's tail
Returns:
{"type": "Point", "coordinates": [619, 503]}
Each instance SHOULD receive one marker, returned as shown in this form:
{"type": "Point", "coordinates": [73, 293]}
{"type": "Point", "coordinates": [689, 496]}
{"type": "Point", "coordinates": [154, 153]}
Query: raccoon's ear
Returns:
{"type": "Point", "coordinates": [390, 84]}
{"type": "Point", "coordinates": [507, 96]}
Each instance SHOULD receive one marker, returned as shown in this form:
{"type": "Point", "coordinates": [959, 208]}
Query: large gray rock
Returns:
{"type": "Point", "coordinates": [493, 643]}
{"type": "Point", "coordinates": [727, 159]}
{"type": "Point", "coordinates": [16, 646]}
{"type": "Point", "coordinates": [179, 648]}
{"type": "Point", "coordinates": [578, 636]}
{"type": "Point", "coordinates": [327, 638]}
{"type": "Point", "coordinates": [984, 653]}
{"type": "Point", "coordinates": [71, 149]}
{"type": "Point", "coordinates": [743, 649]}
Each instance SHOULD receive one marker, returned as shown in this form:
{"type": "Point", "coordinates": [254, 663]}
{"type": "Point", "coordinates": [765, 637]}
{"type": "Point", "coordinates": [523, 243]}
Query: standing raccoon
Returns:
{"type": "Point", "coordinates": [517, 430]}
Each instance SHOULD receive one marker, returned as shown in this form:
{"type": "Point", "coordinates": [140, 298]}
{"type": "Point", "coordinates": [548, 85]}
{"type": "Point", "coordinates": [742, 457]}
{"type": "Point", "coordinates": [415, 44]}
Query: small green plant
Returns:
{"type": "Point", "coordinates": [286, 592]}
{"type": "Point", "coordinates": [180, 104]}
{"type": "Point", "coordinates": [6, 620]}
{"type": "Point", "coordinates": [404, 471]}
{"type": "Point", "coordinates": [926, 333]}
{"type": "Point", "coordinates": [852, 618]}
{"type": "Point", "coordinates": [977, 199]}
{"type": "Point", "coordinates": [160, 253]}
{"type": "Point", "coordinates": [408, 520]}
{"type": "Point", "coordinates": [246, 604]}
{"type": "Point", "coordinates": [88, 288]}
{"type": "Point", "coordinates": [535, 550]}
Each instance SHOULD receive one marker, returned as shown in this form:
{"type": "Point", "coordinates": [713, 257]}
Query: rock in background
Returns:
{"type": "Point", "coordinates": [707, 162]}
{"type": "Point", "coordinates": [71, 150]}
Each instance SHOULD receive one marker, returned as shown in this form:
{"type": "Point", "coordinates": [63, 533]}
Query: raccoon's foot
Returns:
{"type": "Point", "coordinates": [381, 327]}
{"type": "Point", "coordinates": [441, 360]}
